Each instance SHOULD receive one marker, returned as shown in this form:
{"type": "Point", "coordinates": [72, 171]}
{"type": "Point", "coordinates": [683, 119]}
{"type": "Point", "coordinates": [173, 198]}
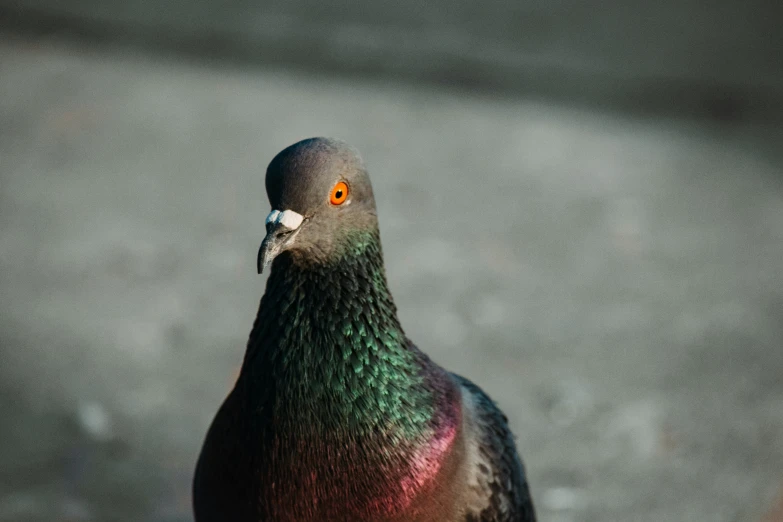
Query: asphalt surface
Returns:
{"type": "Point", "coordinates": [680, 57]}
{"type": "Point", "coordinates": [614, 282]}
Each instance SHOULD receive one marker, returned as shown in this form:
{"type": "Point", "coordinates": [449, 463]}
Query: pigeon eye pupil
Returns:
{"type": "Point", "coordinates": [339, 193]}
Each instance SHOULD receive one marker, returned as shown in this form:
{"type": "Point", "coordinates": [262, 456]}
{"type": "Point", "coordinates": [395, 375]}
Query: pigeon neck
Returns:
{"type": "Point", "coordinates": [328, 351]}
{"type": "Point", "coordinates": [341, 400]}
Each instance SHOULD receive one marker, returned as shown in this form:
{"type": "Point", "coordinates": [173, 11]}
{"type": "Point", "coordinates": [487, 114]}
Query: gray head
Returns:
{"type": "Point", "coordinates": [320, 193]}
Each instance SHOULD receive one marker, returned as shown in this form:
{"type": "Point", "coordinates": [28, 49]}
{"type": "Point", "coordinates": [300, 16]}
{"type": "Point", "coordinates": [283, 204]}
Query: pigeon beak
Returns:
{"type": "Point", "coordinates": [281, 228]}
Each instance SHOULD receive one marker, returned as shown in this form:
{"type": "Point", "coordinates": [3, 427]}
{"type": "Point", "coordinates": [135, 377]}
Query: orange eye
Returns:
{"type": "Point", "coordinates": [339, 193]}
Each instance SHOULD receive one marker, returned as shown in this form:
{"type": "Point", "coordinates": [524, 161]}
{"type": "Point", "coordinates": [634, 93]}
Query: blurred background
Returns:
{"type": "Point", "coordinates": [625, 307]}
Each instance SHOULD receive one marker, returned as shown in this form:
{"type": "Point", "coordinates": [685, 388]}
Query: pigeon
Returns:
{"type": "Point", "coordinates": [336, 415]}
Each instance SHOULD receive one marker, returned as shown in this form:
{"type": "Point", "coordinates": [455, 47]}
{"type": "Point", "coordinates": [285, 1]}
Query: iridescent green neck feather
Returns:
{"type": "Point", "coordinates": [327, 352]}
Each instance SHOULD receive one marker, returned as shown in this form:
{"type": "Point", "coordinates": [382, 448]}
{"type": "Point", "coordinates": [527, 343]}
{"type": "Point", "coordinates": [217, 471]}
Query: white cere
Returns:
{"type": "Point", "coordinates": [287, 218]}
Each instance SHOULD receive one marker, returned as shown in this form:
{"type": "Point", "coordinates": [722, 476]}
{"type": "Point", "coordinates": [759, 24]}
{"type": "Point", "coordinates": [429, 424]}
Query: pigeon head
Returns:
{"type": "Point", "coordinates": [321, 198]}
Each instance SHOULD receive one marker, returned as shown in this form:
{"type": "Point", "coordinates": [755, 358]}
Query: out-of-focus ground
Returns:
{"type": "Point", "coordinates": [720, 59]}
{"type": "Point", "coordinates": [615, 282]}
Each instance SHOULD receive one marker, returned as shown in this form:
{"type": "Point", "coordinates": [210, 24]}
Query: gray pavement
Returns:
{"type": "Point", "coordinates": [719, 59]}
{"type": "Point", "coordinates": [614, 282]}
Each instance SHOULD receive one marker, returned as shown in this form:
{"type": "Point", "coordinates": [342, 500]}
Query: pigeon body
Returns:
{"type": "Point", "coordinates": [336, 414]}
